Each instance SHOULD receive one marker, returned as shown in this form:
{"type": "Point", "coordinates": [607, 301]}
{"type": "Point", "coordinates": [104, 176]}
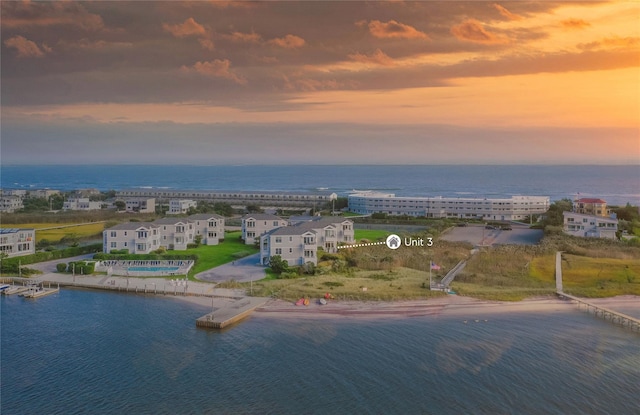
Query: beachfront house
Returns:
{"type": "Point", "coordinates": [81, 203]}
{"type": "Point", "coordinates": [135, 237]}
{"type": "Point", "coordinates": [10, 203]}
{"type": "Point", "coordinates": [298, 244]}
{"type": "Point", "coordinates": [256, 224]}
{"type": "Point", "coordinates": [181, 206]}
{"type": "Point", "coordinates": [17, 242]}
{"type": "Point", "coordinates": [591, 206]}
{"type": "Point", "coordinates": [589, 226]}
{"type": "Point", "coordinates": [176, 233]}
{"type": "Point", "coordinates": [140, 205]}
{"type": "Point", "coordinates": [210, 226]}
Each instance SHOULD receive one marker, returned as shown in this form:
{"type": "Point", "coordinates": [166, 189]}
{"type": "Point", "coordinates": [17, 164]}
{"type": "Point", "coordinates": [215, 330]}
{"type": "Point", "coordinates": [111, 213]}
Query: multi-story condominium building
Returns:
{"type": "Point", "coordinates": [210, 226]}
{"type": "Point", "coordinates": [181, 206]}
{"type": "Point", "coordinates": [14, 192]}
{"type": "Point", "coordinates": [513, 208]}
{"type": "Point", "coordinates": [81, 203]}
{"type": "Point", "coordinates": [10, 204]}
{"type": "Point", "coordinates": [236, 197]}
{"type": "Point", "coordinates": [176, 233]}
{"type": "Point", "coordinates": [17, 242]}
{"type": "Point", "coordinates": [589, 226]}
{"type": "Point", "coordinates": [298, 244]}
{"type": "Point", "coordinates": [256, 224]}
{"type": "Point", "coordinates": [590, 206]}
{"type": "Point", "coordinates": [141, 205]}
{"type": "Point", "coordinates": [135, 237]}
{"type": "Point", "coordinates": [42, 193]}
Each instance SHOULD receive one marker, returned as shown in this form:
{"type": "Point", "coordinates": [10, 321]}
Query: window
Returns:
{"type": "Point", "coordinates": [308, 253]}
{"type": "Point", "coordinates": [278, 239]}
{"type": "Point", "coordinates": [125, 244]}
{"type": "Point", "coordinates": [278, 251]}
{"type": "Point", "coordinates": [113, 234]}
{"type": "Point", "coordinates": [275, 223]}
{"type": "Point", "coordinates": [113, 245]}
{"type": "Point", "coordinates": [290, 250]}
{"type": "Point", "coordinates": [308, 240]}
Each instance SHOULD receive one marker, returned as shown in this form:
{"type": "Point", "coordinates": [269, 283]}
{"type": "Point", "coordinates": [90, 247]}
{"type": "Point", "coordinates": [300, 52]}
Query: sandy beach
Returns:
{"type": "Point", "coordinates": [465, 307]}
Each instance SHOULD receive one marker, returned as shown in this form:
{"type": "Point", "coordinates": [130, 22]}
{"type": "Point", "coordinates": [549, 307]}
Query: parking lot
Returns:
{"type": "Point", "coordinates": [479, 235]}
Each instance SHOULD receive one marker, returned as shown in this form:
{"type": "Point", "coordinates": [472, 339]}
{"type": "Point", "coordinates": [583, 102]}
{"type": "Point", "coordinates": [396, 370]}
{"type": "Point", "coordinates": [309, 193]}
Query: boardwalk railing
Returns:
{"type": "Point", "coordinates": [614, 316]}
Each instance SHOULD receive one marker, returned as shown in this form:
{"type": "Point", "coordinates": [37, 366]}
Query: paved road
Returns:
{"type": "Point", "coordinates": [50, 266]}
{"type": "Point", "coordinates": [241, 270]}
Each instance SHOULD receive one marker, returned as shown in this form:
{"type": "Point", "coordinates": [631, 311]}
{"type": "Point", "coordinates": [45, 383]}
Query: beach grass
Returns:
{"type": "Point", "coordinates": [80, 231]}
{"type": "Point", "coordinates": [210, 256]}
{"type": "Point", "coordinates": [399, 284]}
{"type": "Point", "coordinates": [600, 277]}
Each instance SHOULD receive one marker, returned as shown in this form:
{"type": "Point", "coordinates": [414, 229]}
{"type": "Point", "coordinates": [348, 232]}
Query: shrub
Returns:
{"type": "Point", "coordinates": [61, 267]}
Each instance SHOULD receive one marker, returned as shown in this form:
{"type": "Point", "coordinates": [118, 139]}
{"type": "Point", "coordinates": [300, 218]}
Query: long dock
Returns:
{"type": "Point", "coordinates": [615, 317]}
{"type": "Point", "coordinates": [606, 313]}
{"type": "Point", "coordinates": [232, 313]}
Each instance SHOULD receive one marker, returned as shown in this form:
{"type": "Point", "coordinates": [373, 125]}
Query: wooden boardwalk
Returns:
{"type": "Point", "coordinates": [614, 316]}
{"type": "Point", "coordinates": [231, 313]}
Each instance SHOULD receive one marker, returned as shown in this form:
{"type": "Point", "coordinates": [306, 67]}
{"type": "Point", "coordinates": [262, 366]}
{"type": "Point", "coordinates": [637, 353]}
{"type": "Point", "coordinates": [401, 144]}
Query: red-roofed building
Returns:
{"type": "Point", "coordinates": [590, 206]}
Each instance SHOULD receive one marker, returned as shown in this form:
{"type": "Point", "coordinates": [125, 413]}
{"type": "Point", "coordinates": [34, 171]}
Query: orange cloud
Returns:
{"type": "Point", "coordinates": [29, 14]}
{"type": "Point", "coordinates": [216, 68]}
{"type": "Point", "coordinates": [506, 13]}
{"type": "Point", "coordinates": [472, 30]}
{"type": "Point", "coordinates": [244, 37]}
{"type": "Point", "coordinates": [378, 57]}
{"type": "Point", "coordinates": [288, 42]}
{"type": "Point", "coordinates": [26, 48]}
{"type": "Point", "coordinates": [206, 43]}
{"type": "Point", "coordinates": [575, 24]}
{"type": "Point", "coordinates": [188, 28]}
{"type": "Point", "coordinates": [612, 43]}
{"type": "Point", "coordinates": [393, 30]}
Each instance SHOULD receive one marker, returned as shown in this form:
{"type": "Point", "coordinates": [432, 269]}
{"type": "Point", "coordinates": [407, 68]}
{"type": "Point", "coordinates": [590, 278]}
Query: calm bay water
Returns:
{"type": "Point", "coordinates": [616, 184]}
{"type": "Point", "coordinates": [80, 352]}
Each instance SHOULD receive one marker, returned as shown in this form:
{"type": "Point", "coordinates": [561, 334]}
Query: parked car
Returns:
{"type": "Point", "coordinates": [462, 224]}
{"type": "Point", "coordinates": [506, 227]}
{"type": "Point", "coordinates": [489, 227]}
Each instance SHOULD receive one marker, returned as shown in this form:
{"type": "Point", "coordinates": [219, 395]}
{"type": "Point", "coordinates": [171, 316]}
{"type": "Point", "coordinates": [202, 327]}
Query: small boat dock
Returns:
{"type": "Point", "coordinates": [232, 313]}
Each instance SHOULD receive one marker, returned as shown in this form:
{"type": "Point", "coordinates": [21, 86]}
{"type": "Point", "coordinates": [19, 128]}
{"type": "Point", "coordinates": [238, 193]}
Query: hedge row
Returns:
{"type": "Point", "coordinates": [142, 257]}
{"type": "Point", "coordinates": [81, 267]}
{"type": "Point", "coordinates": [10, 265]}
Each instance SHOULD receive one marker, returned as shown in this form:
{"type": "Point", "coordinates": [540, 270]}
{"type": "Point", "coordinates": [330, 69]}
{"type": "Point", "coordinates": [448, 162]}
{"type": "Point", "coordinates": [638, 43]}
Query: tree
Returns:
{"type": "Point", "coordinates": [120, 205]}
{"type": "Point", "coordinates": [254, 209]}
{"type": "Point", "coordinates": [278, 265]}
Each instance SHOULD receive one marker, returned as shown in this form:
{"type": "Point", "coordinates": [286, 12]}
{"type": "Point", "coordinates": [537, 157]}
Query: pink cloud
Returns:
{"type": "Point", "coordinates": [27, 48]}
{"type": "Point", "coordinates": [378, 57]}
{"type": "Point", "coordinates": [217, 68]}
{"type": "Point", "coordinates": [244, 37]}
{"type": "Point", "coordinates": [188, 28]}
{"type": "Point", "coordinates": [574, 24]}
{"type": "Point", "coordinates": [472, 30]}
{"type": "Point", "coordinates": [288, 42]}
{"type": "Point", "coordinates": [393, 30]}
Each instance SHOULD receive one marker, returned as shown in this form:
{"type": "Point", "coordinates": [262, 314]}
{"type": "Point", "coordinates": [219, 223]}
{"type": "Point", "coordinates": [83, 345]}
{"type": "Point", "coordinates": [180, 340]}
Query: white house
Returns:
{"type": "Point", "coordinates": [256, 224]}
{"type": "Point", "coordinates": [299, 244]}
{"type": "Point", "coordinates": [141, 205]}
{"type": "Point", "coordinates": [135, 237]}
{"type": "Point", "coordinates": [17, 242]}
{"type": "Point", "coordinates": [589, 226]}
{"type": "Point", "coordinates": [210, 226]}
{"type": "Point", "coordinates": [176, 233]}
{"type": "Point", "coordinates": [81, 203]}
{"type": "Point", "coordinates": [10, 203]}
{"type": "Point", "coordinates": [181, 206]}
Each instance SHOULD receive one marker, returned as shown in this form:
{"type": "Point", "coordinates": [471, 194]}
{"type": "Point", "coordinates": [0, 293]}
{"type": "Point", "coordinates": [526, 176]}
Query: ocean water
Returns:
{"type": "Point", "coordinates": [89, 352]}
{"type": "Point", "coordinates": [615, 184]}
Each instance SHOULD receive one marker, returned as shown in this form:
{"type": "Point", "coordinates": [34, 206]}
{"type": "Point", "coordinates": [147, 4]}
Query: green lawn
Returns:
{"type": "Point", "coordinates": [371, 234]}
{"type": "Point", "coordinates": [212, 256]}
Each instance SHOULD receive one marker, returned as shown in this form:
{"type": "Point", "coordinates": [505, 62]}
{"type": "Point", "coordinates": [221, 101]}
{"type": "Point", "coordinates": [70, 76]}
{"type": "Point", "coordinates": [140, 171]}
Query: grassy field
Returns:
{"type": "Point", "coordinates": [55, 235]}
{"type": "Point", "coordinates": [600, 277]}
{"type": "Point", "coordinates": [371, 234]}
{"type": "Point", "coordinates": [399, 284]}
{"type": "Point", "coordinates": [212, 256]}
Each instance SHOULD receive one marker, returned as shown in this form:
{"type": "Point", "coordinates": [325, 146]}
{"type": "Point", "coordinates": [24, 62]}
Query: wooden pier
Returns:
{"type": "Point", "coordinates": [231, 313]}
{"type": "Point", "coordinates": [606, 313]}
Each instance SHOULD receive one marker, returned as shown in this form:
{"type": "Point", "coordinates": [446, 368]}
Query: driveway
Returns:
{"type": "Point", "coordinates": [478, 235]}
{"type": "Point", "coordinates": [50, 266]}
{"type": "Point", "coordinates": [241, 270]}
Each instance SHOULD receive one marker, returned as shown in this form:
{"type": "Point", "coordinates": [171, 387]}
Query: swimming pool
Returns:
{"type": "Point", "coordinates": [154, 269]}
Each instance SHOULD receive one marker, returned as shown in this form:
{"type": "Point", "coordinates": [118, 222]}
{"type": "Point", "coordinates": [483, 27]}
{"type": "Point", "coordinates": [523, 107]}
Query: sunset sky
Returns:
{"type": "Point", "coordinates": [225, 82]}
